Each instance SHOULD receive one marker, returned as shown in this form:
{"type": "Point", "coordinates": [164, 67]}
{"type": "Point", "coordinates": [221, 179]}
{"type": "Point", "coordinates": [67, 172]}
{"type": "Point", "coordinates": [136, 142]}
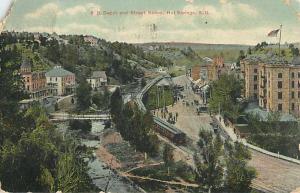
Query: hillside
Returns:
{"type": "Point", "coordinates": [82, 54]}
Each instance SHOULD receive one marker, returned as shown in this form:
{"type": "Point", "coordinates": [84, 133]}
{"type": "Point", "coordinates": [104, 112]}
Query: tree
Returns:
{"type": "Point", "coordinates": [83, 125]}
{"type": "Point", "coordinates": [83, 93]}
{"type": "Point", "coordinates": [168, 156]}
{"type": "Point", "coordinates": [101, 99]}
{"type": "Point", "coordinates": [209, 170]}
{"type": "Point", "coordinates": [225, 92]}
{"type": "Point", "coordinates": [241, 56]}
{"type": "Point", "coordinates": [239, 175]}
{"type": "Point", "coordinates": [116, 105]}
{"type": "Point", "coordinates": [71, 174]}
{"type": "Point", "coordinates": [249, 51]}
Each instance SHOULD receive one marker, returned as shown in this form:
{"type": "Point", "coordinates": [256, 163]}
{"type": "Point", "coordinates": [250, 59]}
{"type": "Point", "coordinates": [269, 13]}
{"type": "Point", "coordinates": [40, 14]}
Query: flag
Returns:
{"type": "Point", "coordinates": [273, 33]}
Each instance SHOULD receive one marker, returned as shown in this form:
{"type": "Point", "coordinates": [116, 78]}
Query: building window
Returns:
{"type": "Point", "coordinates": [279, 95]}
{"type": "Point", "coordinates": [255, 87]}
{"type": "Point", "coordinates": [279, 84]}
{"type": "Point", "coordinates": [293, 94]}
{"type": "Point", "coordinates": [255, 78]}
{"type": "Point", "coordinates": [255, 70]}
{"type": "Point", "coordinates": [298, 94]}
{"type": "Point", "coordinates": [279, 75]}
{"type": "Point", "coordinates": [293, 84]}
{"type": "Point", "coordinates": [279, 107]}
{"type": "Point", "coordinates": [298, 74]}
{"type": "Point", "coordinates": [293, 74]}
{"type": "Point", "coordinates": [56, 79]}
{"type": "Point", "coordinates": [293, 106]}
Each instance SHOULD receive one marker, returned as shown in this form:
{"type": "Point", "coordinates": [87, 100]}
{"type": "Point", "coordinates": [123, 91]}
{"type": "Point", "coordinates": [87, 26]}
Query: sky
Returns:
{"type": "Point", "coordinates": [4, 5]}
{"type": "Point", "coordinates": [198, 21]}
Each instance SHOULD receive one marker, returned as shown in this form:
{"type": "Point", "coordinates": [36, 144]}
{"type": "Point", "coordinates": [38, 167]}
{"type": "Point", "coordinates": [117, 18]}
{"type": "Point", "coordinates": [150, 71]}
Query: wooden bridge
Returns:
{"type": "Point", "coordinates": [66, 117]}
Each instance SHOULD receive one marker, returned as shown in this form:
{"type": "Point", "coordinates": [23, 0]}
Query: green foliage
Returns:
{"type": "Point", "coordinates": [295, 51]}
{"type": "Point", "coordinates": [11, 84]}
{"type": "Point", "coordinates": [274, 135]}
{"type": "Point", "coordinates": [83, 125]}
{"type": "Point", "coordinates": [225, 92]}
{"type": "Point", "coordinates": [101, 99]}
{"type": "Point", "coordinates": [209, 171]}
{"type": "Point", "coordinates": [239, 175]}
{"type": "Point", "coordinates": [29, 144]}
{"type": "Point", "coordinates": [134, 125]}
{"type": "Point", "coordinates": [168, 155]}
{"type": "Point", "coordinates": [116, 106]}
{"type": "Point", "coordinates": [71, 174]}
{"type": "Point", "coordinates": [210, 165]}
{"type": "Point", "coordinates": [83, 93]}
{"type": "Point", "coordinates": [154, 94]}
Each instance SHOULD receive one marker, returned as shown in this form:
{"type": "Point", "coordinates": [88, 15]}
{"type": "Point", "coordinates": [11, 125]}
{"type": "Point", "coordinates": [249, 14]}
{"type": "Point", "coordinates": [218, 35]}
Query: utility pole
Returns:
{"type": "Point", "coordinates": [164, 98]}
{"type": "Point", "coordinates": [280, 39]}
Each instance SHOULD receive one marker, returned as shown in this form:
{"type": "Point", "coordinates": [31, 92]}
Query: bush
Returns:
{"type": "Point", "coordinates": [83, 125]}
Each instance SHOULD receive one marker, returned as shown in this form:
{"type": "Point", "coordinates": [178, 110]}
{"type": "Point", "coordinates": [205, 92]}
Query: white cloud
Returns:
{"type": "Point", "coordinates": [247, 9]}
{"type": "Point", "coordinates": [49, 8]}
{"type": "Point", "coordinates": [53, 8]}
{"type": "Point", "coordinates": [75, 10]}
{"type": "Point", "coordinates": [223, 1]}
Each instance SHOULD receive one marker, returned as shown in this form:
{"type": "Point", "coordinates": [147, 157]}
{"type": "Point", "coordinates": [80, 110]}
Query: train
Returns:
{"type": "Point", "coordinates": [169, 131]}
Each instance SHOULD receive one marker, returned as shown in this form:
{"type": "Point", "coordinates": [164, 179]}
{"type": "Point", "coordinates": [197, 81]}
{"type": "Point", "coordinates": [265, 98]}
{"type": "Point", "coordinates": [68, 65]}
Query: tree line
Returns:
{"type": "Point", "coordinates": [33, 154]}
{"type": "Point", "coordinates": [134, 125]}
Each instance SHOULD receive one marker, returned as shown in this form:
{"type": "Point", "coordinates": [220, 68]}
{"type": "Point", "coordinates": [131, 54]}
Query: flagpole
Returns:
{"type": "Point", "coordinates": [280, 39]}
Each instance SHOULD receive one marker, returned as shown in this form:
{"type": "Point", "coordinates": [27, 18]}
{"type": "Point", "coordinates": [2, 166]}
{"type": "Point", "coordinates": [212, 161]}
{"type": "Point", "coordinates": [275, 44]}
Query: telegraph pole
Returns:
{"type": "Point", "coordinates": [280, 39]}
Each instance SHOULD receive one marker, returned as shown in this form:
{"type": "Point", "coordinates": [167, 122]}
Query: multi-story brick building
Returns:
{"type": "Point", "coordinates": [34, 82]}
{"type": "Point", "coordinates": [274, 83]}
{"type": "Point", "coordinates": [216, 68]}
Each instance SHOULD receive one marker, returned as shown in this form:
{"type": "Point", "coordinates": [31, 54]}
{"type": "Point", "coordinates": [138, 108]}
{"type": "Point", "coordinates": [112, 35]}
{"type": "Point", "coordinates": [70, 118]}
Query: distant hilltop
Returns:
{"type": "Point", "coordinates": [204, 45]}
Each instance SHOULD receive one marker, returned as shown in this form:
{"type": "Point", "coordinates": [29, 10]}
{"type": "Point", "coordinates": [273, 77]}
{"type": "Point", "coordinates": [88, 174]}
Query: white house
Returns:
{"type": "Point", "coordinates": [97, 79]}
{"type": "Point", "coordinates": [60, 81]}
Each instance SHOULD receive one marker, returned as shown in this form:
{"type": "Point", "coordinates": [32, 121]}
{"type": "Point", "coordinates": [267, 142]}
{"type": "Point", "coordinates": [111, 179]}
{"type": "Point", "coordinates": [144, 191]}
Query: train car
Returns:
{"type": "Point", "coordinates": [168, 130]}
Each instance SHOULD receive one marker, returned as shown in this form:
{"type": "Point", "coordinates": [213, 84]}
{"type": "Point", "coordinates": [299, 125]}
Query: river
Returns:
{"type": "Point", "coordinates": [99, 172]}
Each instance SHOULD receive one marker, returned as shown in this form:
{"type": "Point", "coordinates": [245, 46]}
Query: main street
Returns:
{"type": "Point", "coordinates": [273, 174]}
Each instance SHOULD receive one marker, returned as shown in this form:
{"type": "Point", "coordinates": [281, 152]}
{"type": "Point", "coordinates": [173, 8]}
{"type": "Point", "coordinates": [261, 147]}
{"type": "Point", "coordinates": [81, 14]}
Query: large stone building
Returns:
{"type": "Point", "coordinates": [274, 83]}
{"type": "Point", "coordinates": [60, 81]}
{"type": "Point", "coordinates": [216, 68]}
{"type": "Point", "coordinates": [97, 79]}
{"type": "Point", "coordinates": [34, 82]}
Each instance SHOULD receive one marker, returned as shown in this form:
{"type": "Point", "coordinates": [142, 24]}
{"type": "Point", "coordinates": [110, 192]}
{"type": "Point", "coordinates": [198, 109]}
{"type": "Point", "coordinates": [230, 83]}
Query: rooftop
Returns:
{"type": "Point", "coordinates": [58, 71]}
{"type": "Point", "coordinates": [99, 74]}
{"type": "Point", "coordinates": [26, 64]}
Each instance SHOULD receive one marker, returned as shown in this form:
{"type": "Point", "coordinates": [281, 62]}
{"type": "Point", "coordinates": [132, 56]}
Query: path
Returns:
{"type": "Point", "coordinates": [186, 184]}
{"type": "Point", "coordinates": [66, 116]}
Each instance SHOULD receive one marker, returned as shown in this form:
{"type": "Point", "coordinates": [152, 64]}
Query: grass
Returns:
{"type": "Point", "coordinates": [150, 99]}
{"type": "Point", "coordinates": [38, 64]}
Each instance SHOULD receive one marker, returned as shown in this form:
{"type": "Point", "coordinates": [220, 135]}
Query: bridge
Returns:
{"type": "Point", "coordinates": [56, 117]}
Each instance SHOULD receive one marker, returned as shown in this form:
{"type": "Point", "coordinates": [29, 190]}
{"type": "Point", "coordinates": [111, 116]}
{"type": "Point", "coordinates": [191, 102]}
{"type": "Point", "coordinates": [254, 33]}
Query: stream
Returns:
{"type": "Point", "coordinates": [99, 171]}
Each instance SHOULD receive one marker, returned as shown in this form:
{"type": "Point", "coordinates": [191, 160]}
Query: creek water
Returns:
{"type": "Point", "coordinates": [99, 171]}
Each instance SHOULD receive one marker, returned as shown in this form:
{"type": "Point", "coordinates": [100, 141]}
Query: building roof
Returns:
{"type": "Point", "coordinates": [164, 82]}
{"type": "Point", "coordinates": [58, 71]}
{"type": "Point", "coordinates": [99, 74]}
{"type": "Point", "coordinates": [296, 60]}
{"type": "Point", "coordinates": [26, 64]}
{"type": "Point", "coordinates": [269, 58]}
